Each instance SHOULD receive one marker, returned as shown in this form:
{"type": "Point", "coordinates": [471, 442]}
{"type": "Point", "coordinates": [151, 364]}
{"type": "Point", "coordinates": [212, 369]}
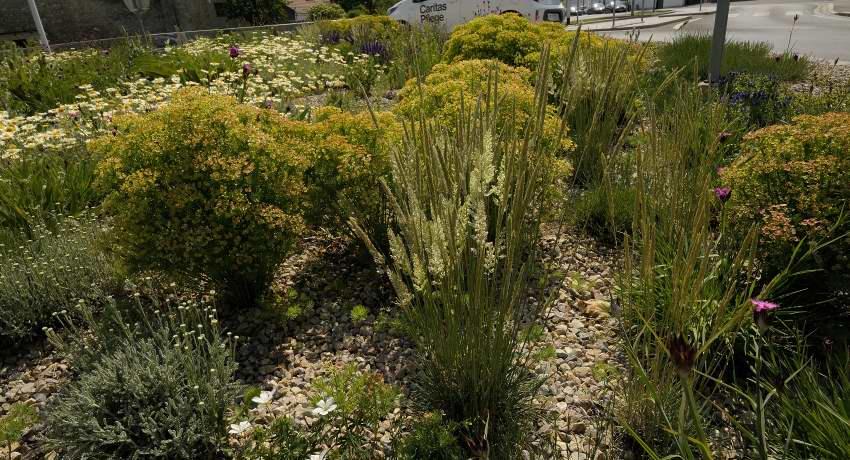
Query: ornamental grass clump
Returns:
{"type": "Point", "coordinates": [206, 187]}
{"type": "Point", "coordinates": [467, 203]}
{"type": "Point", "coordinates": [156, 379]}
{"type": "Point", "coordinates": [688, 281]}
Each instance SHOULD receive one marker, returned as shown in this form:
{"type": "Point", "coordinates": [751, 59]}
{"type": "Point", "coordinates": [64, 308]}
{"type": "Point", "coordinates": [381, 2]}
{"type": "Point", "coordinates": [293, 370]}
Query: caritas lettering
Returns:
{"type": "Point", "coordinates": [432, 13]}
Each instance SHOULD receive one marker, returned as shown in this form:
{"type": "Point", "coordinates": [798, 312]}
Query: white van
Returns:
{"type": "Point", "coordinates": [451, 13]}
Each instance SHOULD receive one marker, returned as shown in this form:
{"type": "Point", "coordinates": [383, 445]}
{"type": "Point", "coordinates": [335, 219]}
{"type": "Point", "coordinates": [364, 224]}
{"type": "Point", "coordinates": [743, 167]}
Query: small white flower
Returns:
{"type": "Point", "coordinates": [320, 456]}
{"type": "Point", "coordinates": [325, 407]}
{"type": "Point", "coordinates": [240, 428]}
{"type": "Point", "coordinates": [264, 398]}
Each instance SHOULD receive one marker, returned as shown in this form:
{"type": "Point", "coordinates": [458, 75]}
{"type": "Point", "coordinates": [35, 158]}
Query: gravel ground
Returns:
{"type": "Point", "coordinates": [825, 75]}
{"type": "Point", "coordinates": [287, 355]}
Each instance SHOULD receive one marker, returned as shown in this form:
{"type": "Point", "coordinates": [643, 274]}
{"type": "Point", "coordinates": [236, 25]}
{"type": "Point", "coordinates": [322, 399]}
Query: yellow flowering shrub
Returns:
{"type": "Point", "coordinates": [510, 38]}
{"type": "Point", "coordinates": [450, 86]}
{"type": "Point", "coordinates": [793, 181]}
{"type": "Point", "coordinates": [345, 183]}
{"type": "Point", "coordinates": [207, 187]}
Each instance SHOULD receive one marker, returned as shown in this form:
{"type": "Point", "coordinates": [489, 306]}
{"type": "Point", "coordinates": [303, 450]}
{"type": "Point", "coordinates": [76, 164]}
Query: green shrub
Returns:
{"type": "Point", "coordinates": [207, 187]}
{"type": "Point", "coordinates": [355, 403]}
{"type": "Point", "coordinates": [326, 11]}
{"type": "Point", "coordinates": [158, 387]}
{"type": "Point", "coordinates": [691, 52]}
{"type": "Point", "coordinates": [793, 182]}
{"type": "Point", "coordinates": [49, 270]}
{"type": "Point", "coordinates": [430, 438]}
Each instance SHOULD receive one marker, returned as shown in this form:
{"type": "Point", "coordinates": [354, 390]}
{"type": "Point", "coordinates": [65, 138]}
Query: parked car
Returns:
{"type": "Point", "coordinates": [578, 10]}
{"type": "Point", "coordinates": [451, 13]}
{"type": "Point", "coordinates": [618, 6]}
{"type": "Point", "coordinates": [597, 8]}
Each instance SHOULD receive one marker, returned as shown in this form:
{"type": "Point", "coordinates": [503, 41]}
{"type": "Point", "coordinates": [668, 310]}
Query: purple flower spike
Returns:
{"type": "Point", "coordinates": [723, 193]}
{"type": "Point", "coordinates": [234, 51]}
{"type": "Point", "coordinates": [762, 306]}
{"type": "Point", "coordinates": [246, 70]}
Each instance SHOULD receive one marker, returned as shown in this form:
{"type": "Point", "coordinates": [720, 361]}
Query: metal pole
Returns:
{"type": "Point", "coordinates": [35, 17]}
{"type": "Point", "coordinates": [721, 17]}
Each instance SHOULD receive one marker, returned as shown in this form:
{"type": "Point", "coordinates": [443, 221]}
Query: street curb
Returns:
{"type": "Point", "coordinates": [642, 26]}
{"type": "Point", "coordinates": [697, 13]}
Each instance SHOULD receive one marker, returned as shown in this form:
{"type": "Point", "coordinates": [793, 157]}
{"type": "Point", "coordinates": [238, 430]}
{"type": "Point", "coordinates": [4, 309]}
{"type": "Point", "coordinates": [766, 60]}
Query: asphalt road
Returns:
{"type": "Point", "coordinates": [818, 32]}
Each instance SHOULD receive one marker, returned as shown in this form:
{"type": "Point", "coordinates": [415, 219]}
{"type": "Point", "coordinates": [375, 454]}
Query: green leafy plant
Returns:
{"type": "Point", "coordinates": [14, 424]}
{"type": "Point", "coordinates": [156, 379]}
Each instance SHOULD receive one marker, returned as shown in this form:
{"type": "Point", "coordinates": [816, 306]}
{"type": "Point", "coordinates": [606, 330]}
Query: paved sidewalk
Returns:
{"type": "Point", "coordinates": [842, 7]}
{"type": "Point", "coordinates": [695, 10]}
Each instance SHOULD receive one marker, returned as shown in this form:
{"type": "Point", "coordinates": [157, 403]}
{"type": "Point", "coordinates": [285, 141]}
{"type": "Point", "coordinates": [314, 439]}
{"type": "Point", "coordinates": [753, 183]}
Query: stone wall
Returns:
{"type": "Point", "coordinates": [76, 20]}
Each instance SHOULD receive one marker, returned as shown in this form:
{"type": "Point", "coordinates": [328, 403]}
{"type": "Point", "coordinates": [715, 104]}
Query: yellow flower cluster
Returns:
{"type": "Point", "coordinates": [793, 181]}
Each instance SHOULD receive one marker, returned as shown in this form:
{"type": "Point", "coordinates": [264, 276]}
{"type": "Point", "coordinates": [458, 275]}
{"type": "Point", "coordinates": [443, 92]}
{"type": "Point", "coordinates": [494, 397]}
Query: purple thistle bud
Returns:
{"type": "Point", "coordinates": [723, 193]}
{"type": "Point", "coordinates": [246, 70]}
{"type": "Point", "coordinates": [234, 51]}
